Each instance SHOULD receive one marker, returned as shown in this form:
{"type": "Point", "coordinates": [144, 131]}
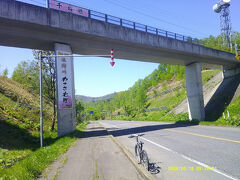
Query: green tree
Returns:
{"type": "Point", "coordinates": [79, 109]}
{"type": "Point", "coordinates": [129, 110]}
{"type": "Point", "coordinates": [5, 72]}
{"type": "Point", "coordinates": [49, 77]}
{"type": "Point", "coordinates": [27, 73]}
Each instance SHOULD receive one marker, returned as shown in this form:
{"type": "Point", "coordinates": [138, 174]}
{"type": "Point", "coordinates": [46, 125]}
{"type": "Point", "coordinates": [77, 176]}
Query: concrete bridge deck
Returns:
{"type": "Point", "coordinates": [29, 26]}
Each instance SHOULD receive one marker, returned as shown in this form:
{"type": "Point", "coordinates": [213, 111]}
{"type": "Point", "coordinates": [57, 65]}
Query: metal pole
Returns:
{"type": "Point", "coordinates": [47, 3]}
{"type": "Point", "coordinates": [236, 49]}
{"type": "Point", "coordinates": [76, 56]}
{"type": "Point", "coordinates": [41, 108]}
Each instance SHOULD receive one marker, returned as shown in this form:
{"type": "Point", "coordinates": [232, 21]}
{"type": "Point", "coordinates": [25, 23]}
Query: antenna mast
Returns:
{"type": "Point", "coordinates": [222, 7]}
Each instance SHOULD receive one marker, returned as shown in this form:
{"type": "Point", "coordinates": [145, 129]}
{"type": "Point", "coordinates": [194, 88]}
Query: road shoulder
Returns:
{"type": "Point", "coordinates": [95, 156]}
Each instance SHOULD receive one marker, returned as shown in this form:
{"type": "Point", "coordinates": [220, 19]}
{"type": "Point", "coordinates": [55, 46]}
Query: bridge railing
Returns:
{"type": "Point", "coordinates": [129, 24]}
{"type": "Point", "coordinates": [140, 27]}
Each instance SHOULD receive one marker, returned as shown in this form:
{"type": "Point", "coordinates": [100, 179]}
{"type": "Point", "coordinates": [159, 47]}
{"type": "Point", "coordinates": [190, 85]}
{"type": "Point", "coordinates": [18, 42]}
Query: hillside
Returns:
{"type": "Point", "coordinates": [19, 122]}
{"type": "Point", "coordinates": [164, 98]}
{"type": "Point", "coordinates": [218, 93]}
{"type": "Point", "coordinates": [20, 154]}
{"type": "Point", "coordinates": [221, 99]}
{"type": "Point", "coordinates": [94, 99]}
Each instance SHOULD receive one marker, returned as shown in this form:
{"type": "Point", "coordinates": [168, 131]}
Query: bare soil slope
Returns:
{"type": "Point", "coordinates": [218, 94]}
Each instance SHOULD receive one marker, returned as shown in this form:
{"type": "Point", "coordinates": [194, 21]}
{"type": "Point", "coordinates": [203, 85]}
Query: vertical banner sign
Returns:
{"type": "Point", "coordinates": [64, 78]}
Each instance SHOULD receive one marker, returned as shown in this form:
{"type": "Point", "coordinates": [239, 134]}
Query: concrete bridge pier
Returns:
{"type": "Point", "coordinates": [194, 91]}
{"type": "Point", "coordinates": [230, 72]}
{"type": "Point", "coordinates": [66, 116]}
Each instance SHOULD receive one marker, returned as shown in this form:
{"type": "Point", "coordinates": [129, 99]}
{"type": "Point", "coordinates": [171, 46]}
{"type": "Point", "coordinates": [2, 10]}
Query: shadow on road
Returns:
{"type": "Point", "coordinates": [22, 139]}
{"type": "Point", "coordinates": [100, 131]}
{"type": "Point", "coordinates": [142, 129]}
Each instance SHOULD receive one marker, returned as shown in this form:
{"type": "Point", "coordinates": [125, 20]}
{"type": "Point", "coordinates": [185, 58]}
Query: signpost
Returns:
{"type": "Point", "coordinates": [64, 75]}
{"type": "Point", "coordinates": [47, 3]}
{"type": "Point", "coordinates": [91, 114]}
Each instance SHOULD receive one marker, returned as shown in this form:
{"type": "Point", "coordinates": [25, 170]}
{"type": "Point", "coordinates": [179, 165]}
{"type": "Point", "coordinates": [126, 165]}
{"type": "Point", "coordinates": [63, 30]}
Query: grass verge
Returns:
{"type": "Point", "coordinates": [32, 165]}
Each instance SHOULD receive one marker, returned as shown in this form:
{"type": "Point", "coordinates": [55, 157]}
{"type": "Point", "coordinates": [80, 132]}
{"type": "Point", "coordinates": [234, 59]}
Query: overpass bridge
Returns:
{"type": "Point", "coordinates": [29, 26]}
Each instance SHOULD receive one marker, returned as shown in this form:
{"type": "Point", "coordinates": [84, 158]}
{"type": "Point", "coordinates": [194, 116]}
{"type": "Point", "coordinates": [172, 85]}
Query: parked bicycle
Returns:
{"type": "Point", "coordinates": [140, 154]}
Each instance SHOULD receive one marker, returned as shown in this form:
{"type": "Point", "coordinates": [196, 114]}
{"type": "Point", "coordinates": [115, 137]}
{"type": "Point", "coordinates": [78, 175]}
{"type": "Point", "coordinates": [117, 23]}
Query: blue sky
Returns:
{"type": "Point", "coordinates": [95, 76]}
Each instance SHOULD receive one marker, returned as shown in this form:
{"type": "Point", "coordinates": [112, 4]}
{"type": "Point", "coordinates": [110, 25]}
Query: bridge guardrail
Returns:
{"type": "Point", "coordinates": [122, 22]}
{"type": "Point", "coordinates": [127, 23]}
{"type": "Point", "coordinates": [141, 27]}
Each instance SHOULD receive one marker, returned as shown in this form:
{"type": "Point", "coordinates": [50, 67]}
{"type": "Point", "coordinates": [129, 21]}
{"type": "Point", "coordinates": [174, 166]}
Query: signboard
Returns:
{"type": "Point", "coordinates": [68, 8]}
{"type": "Point", "coordinates": [90, 112]}
{"type": "Point", "coordinates": [64, 81]}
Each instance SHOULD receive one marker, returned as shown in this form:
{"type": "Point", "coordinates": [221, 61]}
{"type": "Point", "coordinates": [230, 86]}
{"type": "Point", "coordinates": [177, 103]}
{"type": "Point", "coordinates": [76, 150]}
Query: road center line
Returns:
{"type": "Point", "coordinates": [190, 159]}
{"type": "Point", "coordinates": [201, 135]}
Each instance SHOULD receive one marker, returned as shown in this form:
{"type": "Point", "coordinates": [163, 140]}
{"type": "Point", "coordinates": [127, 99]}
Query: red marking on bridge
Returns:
{"type": "Point", "coordinates": [112, 63]}
{"type": "Point", "coordinates": [112, 58]}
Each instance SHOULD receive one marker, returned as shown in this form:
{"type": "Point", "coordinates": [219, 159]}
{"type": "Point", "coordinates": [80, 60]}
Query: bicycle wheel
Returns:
{"type": "Point", "coordinates": [137, 154]}
{"type": "Point", "coordinates": [145, 160]}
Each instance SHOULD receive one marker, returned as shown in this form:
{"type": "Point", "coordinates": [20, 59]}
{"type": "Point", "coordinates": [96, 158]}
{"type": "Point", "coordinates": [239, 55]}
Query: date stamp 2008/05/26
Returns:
{"type": "Point", "coordinates": [190, 168]}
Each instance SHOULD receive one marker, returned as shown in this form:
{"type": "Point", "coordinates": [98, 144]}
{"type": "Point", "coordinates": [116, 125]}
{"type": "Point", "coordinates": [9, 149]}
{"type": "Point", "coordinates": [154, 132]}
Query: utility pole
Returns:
{"type": "Point", "coordinates": [41, 108]}
{"type": "Point", "coordinates": [47, 3]}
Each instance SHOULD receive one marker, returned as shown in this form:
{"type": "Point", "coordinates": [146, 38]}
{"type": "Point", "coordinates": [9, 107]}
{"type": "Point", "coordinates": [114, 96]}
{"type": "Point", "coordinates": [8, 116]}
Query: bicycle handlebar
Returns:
{"type": "Point", "coordinates": [135, 135]}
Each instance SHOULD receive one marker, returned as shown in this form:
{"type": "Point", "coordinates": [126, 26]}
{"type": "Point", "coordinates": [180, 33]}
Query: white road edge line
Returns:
{"type": "Point", "coordinates": [185, 157]}
{"type": "Point", "coordinates": [190, 159]}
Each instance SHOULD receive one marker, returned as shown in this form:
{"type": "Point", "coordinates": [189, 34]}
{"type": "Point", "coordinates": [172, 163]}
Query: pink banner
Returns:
{"type": "Point", "coordinates": [68, 8]}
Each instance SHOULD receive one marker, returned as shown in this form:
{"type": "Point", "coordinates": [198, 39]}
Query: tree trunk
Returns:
{"type": "Point", "coordinates": [53, 116]}
{"type": "Point", "coordinates": [54, 107]}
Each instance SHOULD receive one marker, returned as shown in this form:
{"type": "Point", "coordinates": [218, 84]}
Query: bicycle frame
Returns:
{"type": "Point", "coordinates": [141, 154]}
{"type": "Point", "coordinates": [139, 143]}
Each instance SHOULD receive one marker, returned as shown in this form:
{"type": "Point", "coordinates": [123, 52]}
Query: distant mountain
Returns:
{"type": "Point", "coordinates": [94, 99]}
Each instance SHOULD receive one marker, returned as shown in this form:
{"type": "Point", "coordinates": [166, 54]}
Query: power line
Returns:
{"type": "Point", "coordinates": [163, 11]}
{"type": "Point", "coordinates": [156, 18]}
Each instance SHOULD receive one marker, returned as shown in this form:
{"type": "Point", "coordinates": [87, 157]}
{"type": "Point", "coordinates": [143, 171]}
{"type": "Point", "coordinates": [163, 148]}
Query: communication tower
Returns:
{"type": "Point", "coordinates": [222, 7]}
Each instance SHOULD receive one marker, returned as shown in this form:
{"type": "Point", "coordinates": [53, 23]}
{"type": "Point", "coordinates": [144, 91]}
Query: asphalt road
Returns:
{"type": "Point", "coordinates": [184, 151]}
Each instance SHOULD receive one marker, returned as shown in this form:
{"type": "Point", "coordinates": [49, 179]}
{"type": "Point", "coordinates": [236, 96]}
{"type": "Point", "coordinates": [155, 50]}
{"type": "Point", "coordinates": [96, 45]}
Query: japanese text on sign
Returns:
{"type": "Point", "coordinates": [64, 78]}
{"type": "Point", "coordinates": [68, 8]}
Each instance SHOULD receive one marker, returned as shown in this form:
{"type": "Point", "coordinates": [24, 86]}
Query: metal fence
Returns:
{"type": "Point", "coordinates": [166, 91]}
{"type": "Point", "coordinates": [141, 27]}
{"type": "Point", "coordinates": [161, 108]}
